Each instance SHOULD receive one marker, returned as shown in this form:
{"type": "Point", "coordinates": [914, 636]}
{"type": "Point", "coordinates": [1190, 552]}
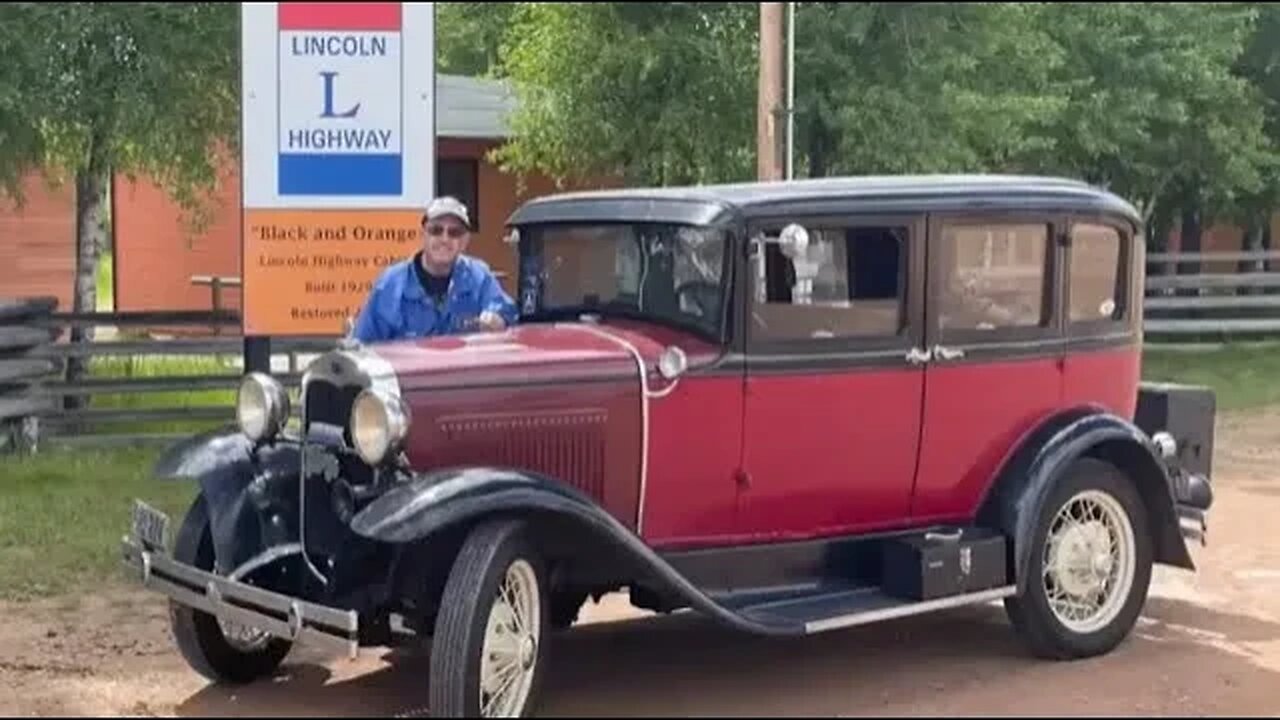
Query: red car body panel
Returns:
{"type": "Point", "coordinates": [735, 456]}
{"type": "Point", "coordinates": [974, 415]}
{"type": "Point", "coordinates": [830, 453]}
{"type": "Point", "coordinates": [1104, 377]}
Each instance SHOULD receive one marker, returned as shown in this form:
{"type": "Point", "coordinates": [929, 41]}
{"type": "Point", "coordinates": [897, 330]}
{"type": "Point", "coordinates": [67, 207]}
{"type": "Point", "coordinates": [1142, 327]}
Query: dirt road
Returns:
{"type": "Point", "coordinates": [1208, 643]}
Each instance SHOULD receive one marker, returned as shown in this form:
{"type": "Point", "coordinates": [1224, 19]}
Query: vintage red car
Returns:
{"type": "Point", "coordinates": [793, 407]}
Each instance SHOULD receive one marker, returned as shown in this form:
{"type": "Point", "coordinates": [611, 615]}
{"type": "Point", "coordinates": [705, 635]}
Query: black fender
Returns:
{"type": "Point", "coordinates": [239, 481]}
{"type": "Point", "coordinates": [1023, 485]}
{"type": "Point", "coordinates": [448, 499]}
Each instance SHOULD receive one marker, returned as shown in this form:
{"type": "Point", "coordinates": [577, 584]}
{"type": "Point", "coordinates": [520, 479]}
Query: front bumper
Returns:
{"type": "Point", "coordinates": [280, 615]}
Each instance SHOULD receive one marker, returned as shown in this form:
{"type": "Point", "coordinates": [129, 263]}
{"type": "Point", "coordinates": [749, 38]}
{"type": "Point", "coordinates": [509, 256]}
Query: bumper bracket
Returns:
{"type": "Point", "coordinates": [280, 615]}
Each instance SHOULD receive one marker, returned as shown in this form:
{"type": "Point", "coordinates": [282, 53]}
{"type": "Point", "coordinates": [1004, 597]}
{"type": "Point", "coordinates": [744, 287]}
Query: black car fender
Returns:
{"type": "Point", "coordinates": [443, 500]}
{"type": "Point", "coordinates": [239, 480]}
{"type": "Point", "coordinates": [1029, 476]}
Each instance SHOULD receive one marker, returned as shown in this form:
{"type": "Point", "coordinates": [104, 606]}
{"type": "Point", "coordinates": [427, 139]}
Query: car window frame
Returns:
{"type": "Point", "coordinates": [1126, 275]}
{"type": "Point", "coordinates": [1030, 337]}
{"type": "Point", "coordinates": [911, 277]}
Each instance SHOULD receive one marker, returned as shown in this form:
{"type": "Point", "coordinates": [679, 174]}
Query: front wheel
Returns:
{"type": "Point", "coordinates": [488, 649]}
{"type": "Point", "coordinates": [220, 651]}
{"type": "Point", "coordinates": [1090, 568]}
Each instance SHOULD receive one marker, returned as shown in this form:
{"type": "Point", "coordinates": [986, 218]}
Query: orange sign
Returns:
{"type": "Point", "coordinates": [307, 271]}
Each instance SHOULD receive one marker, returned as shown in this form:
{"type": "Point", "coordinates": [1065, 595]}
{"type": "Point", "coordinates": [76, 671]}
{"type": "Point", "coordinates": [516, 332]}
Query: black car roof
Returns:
{"type": "Point", "coordinates": [705, 204]}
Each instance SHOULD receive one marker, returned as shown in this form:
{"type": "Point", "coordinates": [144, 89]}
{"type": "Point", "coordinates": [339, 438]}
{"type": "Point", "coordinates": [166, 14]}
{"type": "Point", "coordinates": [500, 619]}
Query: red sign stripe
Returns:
{"type": "Point", "coordinates": [384, 16]}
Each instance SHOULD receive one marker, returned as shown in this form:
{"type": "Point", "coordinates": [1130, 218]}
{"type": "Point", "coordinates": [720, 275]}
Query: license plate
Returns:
{"type": "Point", "coordinates": [150, 526]}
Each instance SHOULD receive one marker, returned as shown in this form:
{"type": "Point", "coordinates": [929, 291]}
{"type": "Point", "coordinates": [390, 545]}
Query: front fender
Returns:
{"type": "Point", "coordinates": [1032, 473]}
{"type": "Point", "coordinates": [239, 481]}
{"type": "Point", "coordinates": [441, 500]}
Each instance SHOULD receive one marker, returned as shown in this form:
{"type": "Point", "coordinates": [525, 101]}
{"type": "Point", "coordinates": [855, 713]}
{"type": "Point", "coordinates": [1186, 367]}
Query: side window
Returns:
{"type": "Point", "coordinates": [848, 283]}
{"type": "Point", "coordinates": [994, 276]}
{"type": "Point", "coordinates": [1097, 288]}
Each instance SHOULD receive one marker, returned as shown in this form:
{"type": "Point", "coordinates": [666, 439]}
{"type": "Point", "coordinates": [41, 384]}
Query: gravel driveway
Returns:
{"type": "Point", "coordinates": [1208, 643]}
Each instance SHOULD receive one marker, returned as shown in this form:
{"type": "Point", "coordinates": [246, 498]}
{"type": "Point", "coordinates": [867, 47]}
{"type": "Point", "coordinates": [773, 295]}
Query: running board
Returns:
{"type": "Point", "coordinates": [847, 608]}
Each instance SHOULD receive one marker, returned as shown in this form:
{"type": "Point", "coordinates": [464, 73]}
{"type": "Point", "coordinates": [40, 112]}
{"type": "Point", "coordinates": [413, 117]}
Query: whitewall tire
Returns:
{"type": "Point", "coordinates": [1090, 567]}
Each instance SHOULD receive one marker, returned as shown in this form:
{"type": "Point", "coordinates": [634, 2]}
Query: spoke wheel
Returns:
{"type": "Point", "coordinates": [510, 653]}
{"type": "Point", "coordinates": [1088, 561]}
{"type": "Point", "coordinates": [1090, 568]}
{"type": "Point", "coordinates": [488, 649]}
{"type": "Point", "coordinates": [219, 650]}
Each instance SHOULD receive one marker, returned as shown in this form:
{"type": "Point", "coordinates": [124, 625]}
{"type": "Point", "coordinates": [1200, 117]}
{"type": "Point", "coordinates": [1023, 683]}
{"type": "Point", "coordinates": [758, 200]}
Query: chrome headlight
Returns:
{"type": "Point", "coordinates": [262, 406]}
{"type": "Point", "coordinates": [379, 424]}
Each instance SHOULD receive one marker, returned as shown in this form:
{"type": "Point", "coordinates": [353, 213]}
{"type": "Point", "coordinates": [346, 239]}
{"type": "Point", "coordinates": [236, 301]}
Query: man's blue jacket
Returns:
{"type": "Point", "coordinates": [398, 307]}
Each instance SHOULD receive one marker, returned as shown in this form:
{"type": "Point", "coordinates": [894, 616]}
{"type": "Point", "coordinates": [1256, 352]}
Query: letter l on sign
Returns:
{"type": "Point", "coordinates": [328, 98]}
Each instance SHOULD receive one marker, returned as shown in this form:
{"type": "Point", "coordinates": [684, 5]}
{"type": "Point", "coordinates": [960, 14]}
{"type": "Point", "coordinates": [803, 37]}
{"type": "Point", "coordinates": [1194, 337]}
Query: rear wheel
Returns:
{"type": "Point", "coordinates": [488, 649]}
{"type": "Point", "coordinates": [218, 650]}
{"type": "Point", "coordinates": [1090, 568]}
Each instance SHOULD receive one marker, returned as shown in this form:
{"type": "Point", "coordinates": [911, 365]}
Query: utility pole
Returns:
{"type": "Point", "coordinates": [769, 144]}
{"type": "Point", "coordinates": [791, 90]}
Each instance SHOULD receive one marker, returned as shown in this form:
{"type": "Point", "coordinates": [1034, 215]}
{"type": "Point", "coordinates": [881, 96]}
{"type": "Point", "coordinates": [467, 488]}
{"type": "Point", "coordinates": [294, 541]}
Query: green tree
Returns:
{"type": "Point", "coordinates": [469, 36]}
{"type": "Point", "coordinates": [138, 88]}
{"type": "Point", "coordinates": [1156, 110]}
{"type": "Point", "coordinates": [651, 93]}
{"type": "Point", "coordinates": [1260, 65]}
{"type": "Point", "coordinates": [917, 87]}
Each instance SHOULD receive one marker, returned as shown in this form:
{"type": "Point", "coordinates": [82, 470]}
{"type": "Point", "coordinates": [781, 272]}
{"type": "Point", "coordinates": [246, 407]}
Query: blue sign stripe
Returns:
{"type": "Point", "coordinates": [341, 174]}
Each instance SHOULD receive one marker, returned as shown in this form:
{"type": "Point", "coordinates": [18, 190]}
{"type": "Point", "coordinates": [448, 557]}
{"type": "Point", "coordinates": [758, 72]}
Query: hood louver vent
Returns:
{"type": "Point", "coordinates": [566, 445]}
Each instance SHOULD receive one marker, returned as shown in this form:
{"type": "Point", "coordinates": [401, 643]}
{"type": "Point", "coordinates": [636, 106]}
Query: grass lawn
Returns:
{"type": "Point", "coordinates": [159, 367]}
{"type": "Point", "coordinates": [62, 514]}
{"type": "Point", "coordinates": [1243, 376]}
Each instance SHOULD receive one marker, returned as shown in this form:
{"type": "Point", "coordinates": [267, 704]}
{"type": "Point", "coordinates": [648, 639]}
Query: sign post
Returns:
{"type": "Point", "coordinates": [338, 137]}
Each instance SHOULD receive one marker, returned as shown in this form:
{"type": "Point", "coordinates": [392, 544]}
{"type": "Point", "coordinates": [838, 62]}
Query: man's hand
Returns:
{"type": "Point", "coordinates": [491, 321]}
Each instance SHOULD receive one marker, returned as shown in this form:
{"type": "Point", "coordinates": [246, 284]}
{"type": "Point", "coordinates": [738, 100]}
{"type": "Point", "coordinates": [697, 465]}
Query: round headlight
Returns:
{"type": "Point", "coordinates": [378, 425]}
{"type": "Point", "coordinates": [262, 406]}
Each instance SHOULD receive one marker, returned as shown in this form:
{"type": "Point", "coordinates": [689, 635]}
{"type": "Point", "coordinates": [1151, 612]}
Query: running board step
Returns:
{"type": "Point", "coordinates": [846, 608]}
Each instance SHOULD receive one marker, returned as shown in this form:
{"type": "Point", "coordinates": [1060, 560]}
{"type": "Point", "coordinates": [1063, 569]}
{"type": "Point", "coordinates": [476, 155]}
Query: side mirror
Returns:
{"type": "Point", "coordinates": [673, 363]}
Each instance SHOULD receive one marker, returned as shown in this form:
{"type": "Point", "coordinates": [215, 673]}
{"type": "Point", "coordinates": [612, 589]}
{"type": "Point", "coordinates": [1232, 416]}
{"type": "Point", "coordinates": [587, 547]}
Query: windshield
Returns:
{"type": "Point", "coordinates": [655, 271]}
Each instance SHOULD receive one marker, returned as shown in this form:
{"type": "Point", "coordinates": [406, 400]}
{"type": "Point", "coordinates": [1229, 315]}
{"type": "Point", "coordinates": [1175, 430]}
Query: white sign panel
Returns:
{"type": "Point", "coordinates": [338, 105]}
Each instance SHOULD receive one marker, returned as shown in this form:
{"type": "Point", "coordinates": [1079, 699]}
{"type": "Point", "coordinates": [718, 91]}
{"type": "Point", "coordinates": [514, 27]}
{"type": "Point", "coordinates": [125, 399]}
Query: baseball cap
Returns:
{"type": "Point", "coordinates": [442, 206]}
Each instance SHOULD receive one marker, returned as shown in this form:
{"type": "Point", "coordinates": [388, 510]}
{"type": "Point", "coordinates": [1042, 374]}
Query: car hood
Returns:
{"type": "Point", "coordinates": [538, 353]}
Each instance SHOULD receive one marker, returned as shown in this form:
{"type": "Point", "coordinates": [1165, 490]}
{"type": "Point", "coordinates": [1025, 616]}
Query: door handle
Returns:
{"type": "Point", "coordinates": [916, 356]}
{"type": "Point", "coordinates": [945, 353]}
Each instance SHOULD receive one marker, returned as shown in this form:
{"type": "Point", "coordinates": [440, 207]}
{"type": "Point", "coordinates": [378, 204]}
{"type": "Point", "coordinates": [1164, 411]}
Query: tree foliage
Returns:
{"type": "Point", "coordinates": [92, 89]}
{"type": "Point", "coordinates": [1172, 105]}
{"type": "Point", "coordinates": [146, 88]}
{"type": "Point", "coordinates": [469, 36]}
{"type": "Point", "coordinates": [659, 93]}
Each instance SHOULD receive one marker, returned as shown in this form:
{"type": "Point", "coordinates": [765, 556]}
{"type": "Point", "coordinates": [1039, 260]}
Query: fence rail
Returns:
{"type": "Point", "coordinates": [138, 388]}
{"type": "Point", "coordinates": [1214, 305]}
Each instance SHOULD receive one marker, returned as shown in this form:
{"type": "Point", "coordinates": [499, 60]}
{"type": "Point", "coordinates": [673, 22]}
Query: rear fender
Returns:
{"type": "Point", "coordinates": [447, 501]}
{"type": "Point", "coordinates": [241, 482]}
{"type": "Point", "coordinates": [1033, 471]}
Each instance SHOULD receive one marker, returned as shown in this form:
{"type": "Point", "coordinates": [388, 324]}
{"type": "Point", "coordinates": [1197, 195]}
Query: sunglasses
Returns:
{"type": "Point", "coordinates": [453, 231]}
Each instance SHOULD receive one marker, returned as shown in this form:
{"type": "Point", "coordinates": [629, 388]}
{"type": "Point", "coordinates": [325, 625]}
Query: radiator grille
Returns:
{"type": "Point", "coordinates": [565, 445]}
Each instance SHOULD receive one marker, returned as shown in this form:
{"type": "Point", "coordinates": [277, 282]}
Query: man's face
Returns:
{"type": "Point", "coordinates": [443, 239]}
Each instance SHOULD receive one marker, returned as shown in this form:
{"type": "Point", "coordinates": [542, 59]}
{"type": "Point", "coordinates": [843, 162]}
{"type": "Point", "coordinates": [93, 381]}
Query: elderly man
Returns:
{"type": "Point", "coordinates": [440, 290]}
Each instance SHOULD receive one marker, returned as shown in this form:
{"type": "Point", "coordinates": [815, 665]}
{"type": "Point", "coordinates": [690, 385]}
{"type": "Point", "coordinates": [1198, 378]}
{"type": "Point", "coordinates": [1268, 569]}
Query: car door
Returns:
{"type": "Point", "coordinates": [833, 379]}
{"type": "Point", "coordinates": [996, 354]}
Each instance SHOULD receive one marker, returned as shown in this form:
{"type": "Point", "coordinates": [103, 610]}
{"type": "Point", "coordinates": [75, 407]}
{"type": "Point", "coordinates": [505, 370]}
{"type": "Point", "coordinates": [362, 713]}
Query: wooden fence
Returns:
{"type": "Point", "coordinates": [40, 405]}
{"type": "Point", "coordinates": [1217, 296]}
